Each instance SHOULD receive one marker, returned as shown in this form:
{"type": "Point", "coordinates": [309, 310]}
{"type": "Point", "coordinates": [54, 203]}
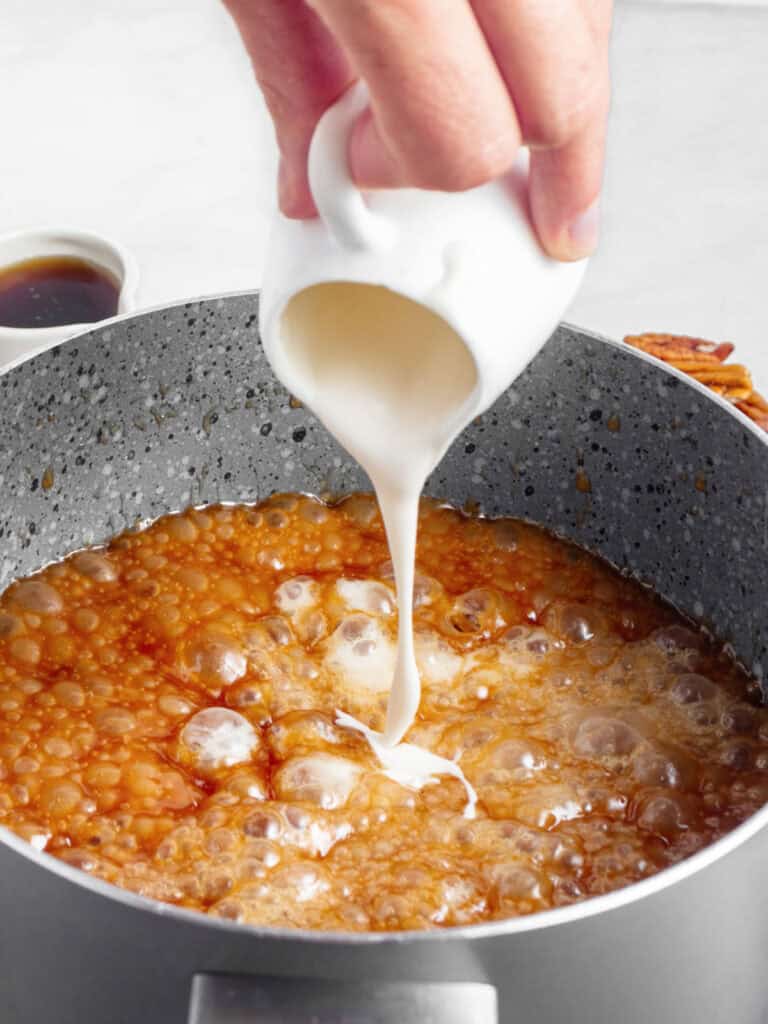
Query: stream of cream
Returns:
{"type": "Point", "coordinates": [391, 381]}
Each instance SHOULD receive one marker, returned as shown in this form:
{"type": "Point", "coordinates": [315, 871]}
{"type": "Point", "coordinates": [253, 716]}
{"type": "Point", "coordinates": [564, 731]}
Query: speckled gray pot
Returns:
{"type": "Point", "coordinates": [178, 406]}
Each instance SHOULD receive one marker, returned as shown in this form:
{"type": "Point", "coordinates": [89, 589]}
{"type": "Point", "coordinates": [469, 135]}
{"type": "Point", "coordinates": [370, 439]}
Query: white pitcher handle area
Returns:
{"type": "Point", "coordinates": [339, 201]}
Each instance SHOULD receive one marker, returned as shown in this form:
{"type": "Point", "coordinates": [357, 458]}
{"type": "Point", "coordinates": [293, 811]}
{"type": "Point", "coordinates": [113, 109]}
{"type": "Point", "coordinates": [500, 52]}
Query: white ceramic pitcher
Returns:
{"type": "Point", "coordinates": [470, 258]}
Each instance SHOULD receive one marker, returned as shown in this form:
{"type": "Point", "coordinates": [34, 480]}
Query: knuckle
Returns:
{"type": "Point", "coordinates": [459, 170]}
{"type": "Point", "coordinates": [565, 114]}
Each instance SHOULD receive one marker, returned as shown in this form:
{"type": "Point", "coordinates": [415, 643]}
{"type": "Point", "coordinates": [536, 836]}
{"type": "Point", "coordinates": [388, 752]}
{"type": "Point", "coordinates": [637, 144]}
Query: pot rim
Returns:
{"type": "Point", "coordinates": [511, 926]}
{"type": "Point", "coordinates": [240, 293]}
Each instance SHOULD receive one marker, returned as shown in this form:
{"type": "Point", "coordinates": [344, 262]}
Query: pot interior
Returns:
{"type": "Point", "coordinates": [178, 406]}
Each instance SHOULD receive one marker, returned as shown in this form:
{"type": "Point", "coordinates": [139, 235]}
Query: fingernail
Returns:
{"type": "Point", "coordinates": [584, 231]}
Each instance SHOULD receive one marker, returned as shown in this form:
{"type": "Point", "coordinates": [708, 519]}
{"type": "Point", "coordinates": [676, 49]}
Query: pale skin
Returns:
{"type": "Point", "coordinates": [456, 87]}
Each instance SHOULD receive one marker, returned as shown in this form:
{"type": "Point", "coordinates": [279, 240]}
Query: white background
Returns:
{"type": "Point", "coordinates": [140, 119]}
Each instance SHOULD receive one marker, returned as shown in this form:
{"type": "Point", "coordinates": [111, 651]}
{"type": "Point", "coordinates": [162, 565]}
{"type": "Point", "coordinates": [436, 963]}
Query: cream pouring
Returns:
{"type": "Point", "coordinates": [397, 318]}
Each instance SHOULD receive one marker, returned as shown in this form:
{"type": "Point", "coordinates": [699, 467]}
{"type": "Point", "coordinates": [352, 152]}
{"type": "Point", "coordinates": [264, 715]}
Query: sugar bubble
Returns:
{"type": "Point", "coordinates": [740, 719]}
{"type": "Point", "coordinates": [663, 765]}
{"type": "Point", "coordinates": [738, 755]}
{"type": "Point", "coordinates": [663, 813]}
{"type": "Point", "coordinates": [578, 624]}
{"type": "Point", "coordinates": [96, 566]}
{"type": "Point", "coordinates": [506, 534]}
{"type": "Point", "coordinates": [476, 612]}
{"type": "Point", "coordinates": [9, 625]}
{"type": "Point", "coordinates": [311, 627]}
{"type": "Point", "coordinates": [528, 645]}
{"type": "Point", "coordinates": [691, 688]}
{"type": "Point", "coordinates": [36, 596]}
{"type": "Point", "coordinates": [520, 759]}
{"type": "Point", "coordinates": [514, 882]}
{"type": "Point", "coordinates": [217, 661]}
{"type": "Point", "coordinates": [263, 825]}
{"type": "Point", "coordinates": [277, 630]}
{"type": "Point", "coordinates": [302, 729]}
{"type": "Point", "coordinates": [675, 639]}
{"type": "Point", "coordinates": [361, 508]}
{"type": "Point", "coordinates": [302, 881]}
{"type": "Point", "coordinates": [604, 736]}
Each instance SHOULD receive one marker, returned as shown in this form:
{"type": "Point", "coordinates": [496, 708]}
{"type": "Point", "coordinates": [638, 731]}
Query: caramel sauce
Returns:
{"type": "Point", "coordinates": [168, 719]}
{"type": "Point", "coordinates": [53, 290]}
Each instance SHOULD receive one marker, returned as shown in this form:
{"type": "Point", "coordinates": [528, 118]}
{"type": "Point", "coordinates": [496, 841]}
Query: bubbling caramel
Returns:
{"type": "Point", "coordinates": [168, 719]}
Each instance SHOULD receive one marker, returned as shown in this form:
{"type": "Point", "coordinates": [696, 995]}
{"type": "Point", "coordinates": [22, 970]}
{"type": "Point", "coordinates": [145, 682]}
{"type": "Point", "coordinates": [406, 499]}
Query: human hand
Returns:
{"type": "Point", "coordinates": [456, 87]}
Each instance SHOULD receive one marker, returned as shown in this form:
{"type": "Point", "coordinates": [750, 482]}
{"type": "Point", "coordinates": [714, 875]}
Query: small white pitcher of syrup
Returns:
{"type": "Point", "coordinates": [58, 282]}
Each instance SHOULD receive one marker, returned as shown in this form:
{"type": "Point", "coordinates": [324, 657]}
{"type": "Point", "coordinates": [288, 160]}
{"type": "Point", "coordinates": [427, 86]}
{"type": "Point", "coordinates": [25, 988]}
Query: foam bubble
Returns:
{"type": "Point", "coordinates": [361, 654]}
{"type": "Point", "coordinates": [366, 596]}
{"type": "Point", "coordinates": [426, 591]}
{"type": "Point", "coordinates": [322, 779]}
{"type": "Point", "coordinates": [299, 594]}
{"type": "Point", "coordinates": [438, 663]}
{"type": "Point", "coordinates": [218, 738]}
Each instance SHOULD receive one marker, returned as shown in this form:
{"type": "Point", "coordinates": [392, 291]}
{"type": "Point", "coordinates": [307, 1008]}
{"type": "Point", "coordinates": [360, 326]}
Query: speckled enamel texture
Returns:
{"type": "Point", "coordinates": [604, 446]}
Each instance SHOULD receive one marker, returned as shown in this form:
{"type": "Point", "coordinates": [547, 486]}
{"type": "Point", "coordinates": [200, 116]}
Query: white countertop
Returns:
{"type": "Point", "coordinates": [141, 120]}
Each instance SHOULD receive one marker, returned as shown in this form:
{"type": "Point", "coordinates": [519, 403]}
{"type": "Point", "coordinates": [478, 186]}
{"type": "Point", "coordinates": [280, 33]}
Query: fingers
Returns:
{"type": "Point", "coordinates": [301, 71]}
{"type": "Point", "coordinates": [564, 190]}
{"type": "Point", "coordinates": [454, 87]}
{"type": "Point", "coordinates": [553, 57]}
{"type": "Point", "coordinates": [547, 55]}
{"type": "Point", "coordinates": [442, 117]}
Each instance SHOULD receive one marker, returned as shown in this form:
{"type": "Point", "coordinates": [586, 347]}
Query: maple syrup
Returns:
{"type": "Point", "coordinates": [49, 291]}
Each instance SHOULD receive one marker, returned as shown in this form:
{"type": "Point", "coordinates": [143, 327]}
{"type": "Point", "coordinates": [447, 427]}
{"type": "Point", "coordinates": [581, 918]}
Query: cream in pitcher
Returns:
{"type": "Point", "coordinates": [398, 317]}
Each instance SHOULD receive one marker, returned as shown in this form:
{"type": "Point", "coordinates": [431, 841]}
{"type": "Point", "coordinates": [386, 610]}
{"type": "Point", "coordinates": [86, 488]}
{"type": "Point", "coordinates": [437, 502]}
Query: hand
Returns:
{"type": "Point", "coordinates": [456, 86]}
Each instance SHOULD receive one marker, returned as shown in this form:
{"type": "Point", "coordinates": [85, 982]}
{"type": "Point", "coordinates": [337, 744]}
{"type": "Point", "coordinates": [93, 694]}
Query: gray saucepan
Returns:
{"type": "Point", "coordinates": [177, 406]}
